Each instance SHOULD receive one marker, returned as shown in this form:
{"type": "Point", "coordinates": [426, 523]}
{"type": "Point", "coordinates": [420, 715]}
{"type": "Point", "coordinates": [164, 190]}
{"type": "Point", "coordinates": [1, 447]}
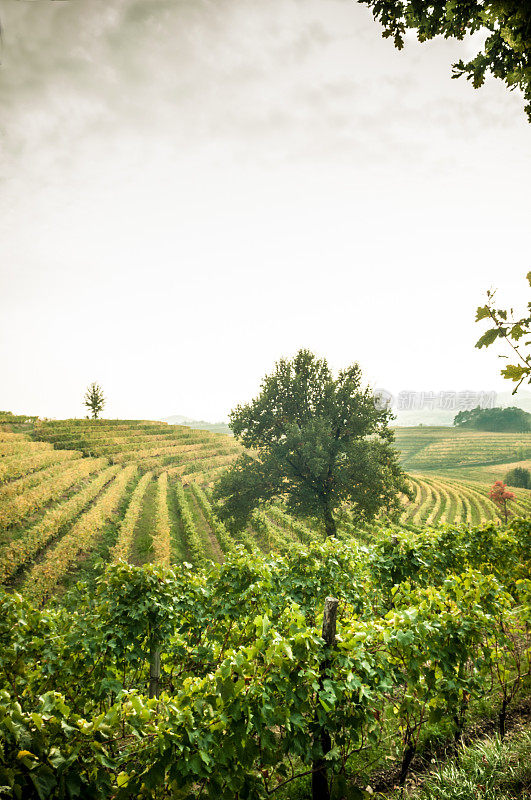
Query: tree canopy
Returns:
{"type": "Point", "coordinates": [506, 53]}
{"type": "Point", "coordinates": [494, 419]}
{"type": "Point", "coordinates": [317, 442]}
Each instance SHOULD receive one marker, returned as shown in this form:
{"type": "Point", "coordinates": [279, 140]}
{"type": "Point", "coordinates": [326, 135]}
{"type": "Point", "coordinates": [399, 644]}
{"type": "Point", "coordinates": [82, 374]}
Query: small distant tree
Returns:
{"type": "Point", "coordinates": [94, 399]}
{"type": "Point", "coordinates": [501, 495]}
{"type": "Point", "coordinates": [520, 477]}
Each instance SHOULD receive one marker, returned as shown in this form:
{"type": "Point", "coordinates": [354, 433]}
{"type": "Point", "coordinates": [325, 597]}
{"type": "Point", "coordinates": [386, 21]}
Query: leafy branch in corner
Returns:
{"type": "Point", "coordinates": [506, 53]}
{"type": "Point", "coordinates": [512, 330]}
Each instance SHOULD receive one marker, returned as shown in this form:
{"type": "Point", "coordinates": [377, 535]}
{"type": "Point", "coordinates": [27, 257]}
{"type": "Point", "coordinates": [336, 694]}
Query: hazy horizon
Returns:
{"type": "Point", "coordinates": [191, 191]}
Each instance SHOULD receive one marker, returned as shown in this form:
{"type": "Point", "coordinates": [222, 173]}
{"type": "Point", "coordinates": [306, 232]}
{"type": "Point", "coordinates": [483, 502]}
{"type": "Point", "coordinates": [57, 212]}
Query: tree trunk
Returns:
{"type": "Point", "coordinates": [330, 523]}
{"type": "Point", "coordinates": [502, 717]}
{"type": "Point", "coordinates": [406, 761]}
{"type": "Point", "coordinates": [460, 710]}
{"type": "Point", "coordinates": [154, 671]}
{"type": "Point", "coordinates": [459, 722]}
{"type": "Point", "coordinates": [320, 790]}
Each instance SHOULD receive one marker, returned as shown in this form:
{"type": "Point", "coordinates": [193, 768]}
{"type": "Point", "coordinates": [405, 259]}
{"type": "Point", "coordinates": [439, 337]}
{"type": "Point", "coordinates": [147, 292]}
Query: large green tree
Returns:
{"type": "Point", "coordinates": [316, 441]}
{"type": "Point", "coordinates": [506, 53]}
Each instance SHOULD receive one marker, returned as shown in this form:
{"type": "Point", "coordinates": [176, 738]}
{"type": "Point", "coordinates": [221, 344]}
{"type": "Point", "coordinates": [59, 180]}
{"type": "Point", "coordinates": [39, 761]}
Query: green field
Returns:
{"type": "Point", "coordinates": [91, 515]}
{"type": "Point", "coordinates": [75, 490]}
{"type": "Point", "coordinates": [445, 499]}
{"type": "Point", "coordinates": [135, 490]}
{"type": "Point", "coordinates": [430, 448]}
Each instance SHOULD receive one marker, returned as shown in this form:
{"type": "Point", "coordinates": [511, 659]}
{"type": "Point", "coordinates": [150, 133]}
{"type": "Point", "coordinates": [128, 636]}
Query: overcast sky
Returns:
{"type": "Point", "coordinates": [191, 189]}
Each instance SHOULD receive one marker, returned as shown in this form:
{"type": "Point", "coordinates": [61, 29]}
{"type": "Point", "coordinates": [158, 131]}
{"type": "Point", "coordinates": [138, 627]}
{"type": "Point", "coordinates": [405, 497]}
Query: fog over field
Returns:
{"type": "Point", "coordinates": [191, 189]}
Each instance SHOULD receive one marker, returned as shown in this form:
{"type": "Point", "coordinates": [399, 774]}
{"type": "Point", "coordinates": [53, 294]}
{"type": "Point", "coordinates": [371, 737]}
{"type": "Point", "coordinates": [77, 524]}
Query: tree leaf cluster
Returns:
{"type": "Point", "coordinates": [510, 328]}
{"type": "Point", "coordinates": [506, 53]}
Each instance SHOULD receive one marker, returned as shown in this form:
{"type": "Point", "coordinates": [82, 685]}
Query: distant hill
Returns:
{"type": "Point", "coordinates": [406, 418]}
{"type": "Point", "coordinates": [198, 424]}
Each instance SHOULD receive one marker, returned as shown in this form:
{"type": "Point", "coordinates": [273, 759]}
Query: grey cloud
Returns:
{"type": "Point", "coordinates": [78, 67]}
{"type": "Point", "coordinates": [283, 79]}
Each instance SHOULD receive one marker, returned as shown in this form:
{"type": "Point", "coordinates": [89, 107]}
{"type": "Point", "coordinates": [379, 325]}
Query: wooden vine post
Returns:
{"type": "Point", "coordinates": [320, 789]}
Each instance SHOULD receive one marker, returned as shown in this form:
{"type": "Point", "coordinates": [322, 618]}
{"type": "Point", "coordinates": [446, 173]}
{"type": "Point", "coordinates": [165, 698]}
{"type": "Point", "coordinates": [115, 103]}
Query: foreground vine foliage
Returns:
{"type": "Point", "coordinates": [428, 622]}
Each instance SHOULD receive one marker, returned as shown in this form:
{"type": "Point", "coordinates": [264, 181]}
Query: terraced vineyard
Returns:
{"type": "Point", "coordinates": [430, 448]}
{"type": "Point", "coordinates": [143, 486]}
{"type": "Point", "coordinates": [75, 490]}
{"type": "Point", "coordinates": [440, 499]}
{"type": "Point", "coordinates": [155, 446]}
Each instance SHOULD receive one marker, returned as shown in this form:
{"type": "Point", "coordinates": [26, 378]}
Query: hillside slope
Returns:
{"type": "Point", "coordinates": [154, 446]}
{"type": "Point", "coordinates": [75, 491]}
{"type": "Point", "coordinates": [437, 448]}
